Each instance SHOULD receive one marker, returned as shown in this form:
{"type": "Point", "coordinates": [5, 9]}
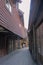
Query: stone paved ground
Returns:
{"type": "Point", "coordinates": [19, 57]}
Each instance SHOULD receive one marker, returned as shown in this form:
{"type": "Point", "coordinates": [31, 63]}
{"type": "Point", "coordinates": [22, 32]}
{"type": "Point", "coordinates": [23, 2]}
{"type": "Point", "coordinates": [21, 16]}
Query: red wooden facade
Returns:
{"type": "Point", "coordinates": [11, 21]}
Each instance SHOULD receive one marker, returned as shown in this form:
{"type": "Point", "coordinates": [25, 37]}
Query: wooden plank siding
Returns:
{"type": "Point", "coordinates": [36, 24]}
{"type": "Point", "coordinates": [11, 21]}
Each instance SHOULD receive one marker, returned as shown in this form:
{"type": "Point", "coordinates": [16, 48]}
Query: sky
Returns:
{"type": "Point", "coordinates": [25, 7]}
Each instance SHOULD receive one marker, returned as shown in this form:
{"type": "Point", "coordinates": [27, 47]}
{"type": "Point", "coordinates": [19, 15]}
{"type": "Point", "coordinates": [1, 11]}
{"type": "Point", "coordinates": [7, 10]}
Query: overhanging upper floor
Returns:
{"type": "Point", "coordinates": [11, 20]}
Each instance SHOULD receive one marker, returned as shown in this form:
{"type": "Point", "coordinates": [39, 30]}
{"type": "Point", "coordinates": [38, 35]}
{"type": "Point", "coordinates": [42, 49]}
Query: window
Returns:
{"type": "Point", "coordinates": [8, 5]}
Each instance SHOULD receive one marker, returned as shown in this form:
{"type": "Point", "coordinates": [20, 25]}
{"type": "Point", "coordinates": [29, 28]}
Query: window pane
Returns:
{"type": "Point", "coordinates": [7, 1]}
{"type": "Point", "coordinates": [8, 5]}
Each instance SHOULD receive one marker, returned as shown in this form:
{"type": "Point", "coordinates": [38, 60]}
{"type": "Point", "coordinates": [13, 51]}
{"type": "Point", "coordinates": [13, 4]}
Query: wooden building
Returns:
{"type": "Point", "coordinates": [11, 28]}
{"type": "Point", "coordinates": [36, 30]}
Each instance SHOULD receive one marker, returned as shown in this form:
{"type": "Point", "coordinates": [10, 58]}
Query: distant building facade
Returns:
{"type": "Point", "coordinates": [21, 14]}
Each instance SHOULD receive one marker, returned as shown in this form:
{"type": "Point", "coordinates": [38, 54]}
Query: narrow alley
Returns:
{"type": "Point", "coordinates": [19, 57]}
{"type": "Point", "coordinates": [21, 32]}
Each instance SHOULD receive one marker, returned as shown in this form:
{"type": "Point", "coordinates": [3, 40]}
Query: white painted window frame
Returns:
{"type": "Point", "coordinates": [8, 5]}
